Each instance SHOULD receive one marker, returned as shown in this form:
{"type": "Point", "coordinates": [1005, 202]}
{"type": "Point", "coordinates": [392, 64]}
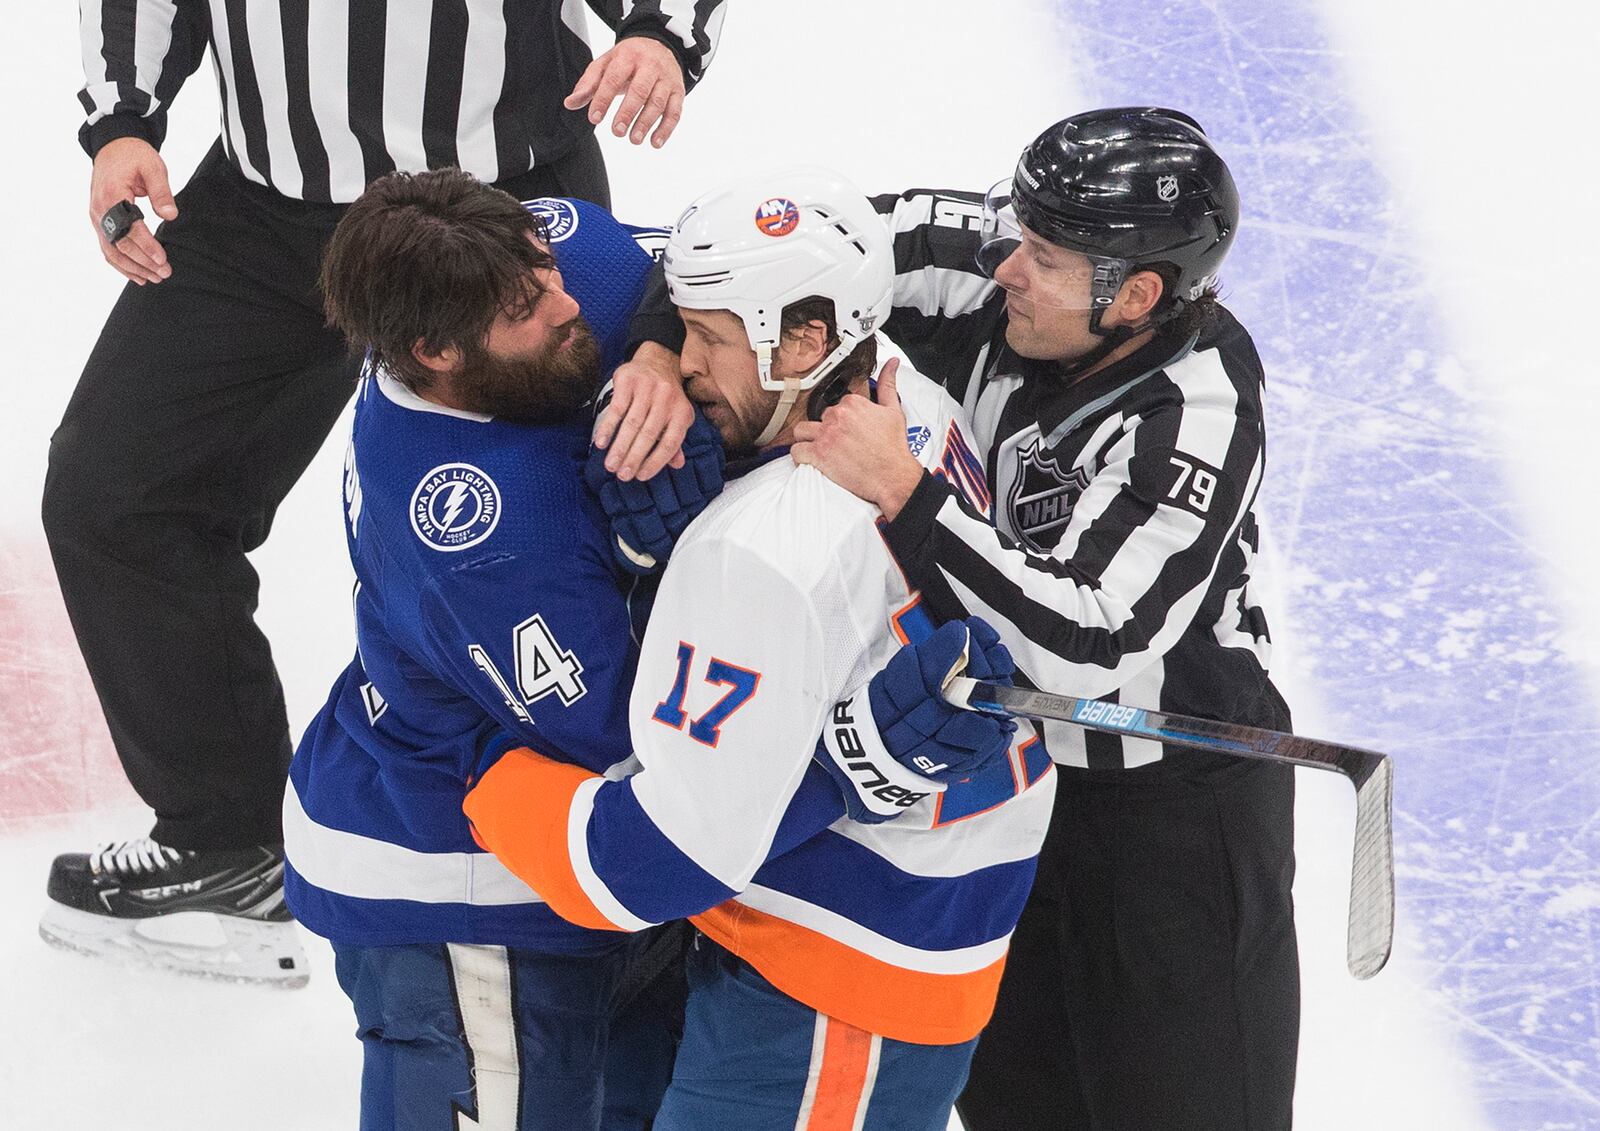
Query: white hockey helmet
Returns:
{"type": "Point", "coordinates": [760, 243]}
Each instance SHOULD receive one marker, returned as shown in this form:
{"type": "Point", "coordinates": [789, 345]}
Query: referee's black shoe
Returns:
{"type": "Point", "coordinates": [214, 912]}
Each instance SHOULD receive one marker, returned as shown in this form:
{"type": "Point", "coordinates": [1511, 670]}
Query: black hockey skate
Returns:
{"type": "Point", "coordinates": [217, 913]}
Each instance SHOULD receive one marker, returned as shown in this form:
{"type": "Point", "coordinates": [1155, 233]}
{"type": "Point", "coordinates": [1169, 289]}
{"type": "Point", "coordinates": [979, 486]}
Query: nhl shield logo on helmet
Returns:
{"type": "Point", "coordinates": [1167, 188]}
{"type": "Point", "coordinates": [455, 506]}
{"type": "Point", "coordinates": [558, 217]}
{"type": "Point", "coordinates": [777, 216]}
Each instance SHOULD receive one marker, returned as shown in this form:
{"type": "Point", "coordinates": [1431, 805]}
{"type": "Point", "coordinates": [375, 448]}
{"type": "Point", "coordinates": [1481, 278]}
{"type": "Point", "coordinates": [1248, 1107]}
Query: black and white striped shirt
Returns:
{"type": "Point", "coordinates": [321, 96]}
{"type": "Point", "coordinates": [1118, 558]}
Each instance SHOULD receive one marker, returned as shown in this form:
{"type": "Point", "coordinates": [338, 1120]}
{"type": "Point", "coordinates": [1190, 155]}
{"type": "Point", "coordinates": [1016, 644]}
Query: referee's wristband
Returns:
{"type": "Point", "coordinates": [119, 220]}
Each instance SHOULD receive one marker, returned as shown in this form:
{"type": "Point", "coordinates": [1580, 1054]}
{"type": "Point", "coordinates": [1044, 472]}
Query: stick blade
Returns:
{"type": "Point", "coordinates": [1371, 929]}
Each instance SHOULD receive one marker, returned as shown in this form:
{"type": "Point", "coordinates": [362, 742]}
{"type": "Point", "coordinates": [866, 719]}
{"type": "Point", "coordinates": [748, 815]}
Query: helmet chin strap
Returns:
{"type": "Point", "coordinates": [1111, 339]}
{"type": "Point", "coordinates": [793, 385]}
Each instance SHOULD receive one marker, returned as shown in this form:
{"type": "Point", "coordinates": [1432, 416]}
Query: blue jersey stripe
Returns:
{"type": "Point", "coordinates": [928, 912]}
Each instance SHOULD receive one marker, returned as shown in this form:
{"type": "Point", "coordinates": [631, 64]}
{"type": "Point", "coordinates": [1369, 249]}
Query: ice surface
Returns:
{"type": "Point", "coordinates": [1427, 506]}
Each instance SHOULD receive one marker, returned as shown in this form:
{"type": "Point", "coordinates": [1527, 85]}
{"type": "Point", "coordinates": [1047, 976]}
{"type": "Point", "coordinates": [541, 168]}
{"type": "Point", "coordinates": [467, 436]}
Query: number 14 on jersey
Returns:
{"type": "Point", "coordinates": [542, 667]}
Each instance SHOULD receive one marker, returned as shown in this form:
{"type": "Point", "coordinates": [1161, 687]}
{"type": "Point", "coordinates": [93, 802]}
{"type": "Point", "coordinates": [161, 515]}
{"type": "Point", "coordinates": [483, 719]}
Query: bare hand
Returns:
{"type": "Point", "coordinates": [860, 444]}
{"type": "Point", "coordinates": [647, 418]}
{"type": "Point", "coordinates": [649, 72]}
{"type": "Point", "coordinates": [127, 168]}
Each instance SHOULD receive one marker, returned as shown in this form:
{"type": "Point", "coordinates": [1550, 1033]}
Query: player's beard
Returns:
{"type": "Point", "coordinates": [543, 387]}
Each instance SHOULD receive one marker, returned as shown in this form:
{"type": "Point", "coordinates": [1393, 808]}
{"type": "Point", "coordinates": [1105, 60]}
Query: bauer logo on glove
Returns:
{"type": "Point", "coordinates": [903, 740]}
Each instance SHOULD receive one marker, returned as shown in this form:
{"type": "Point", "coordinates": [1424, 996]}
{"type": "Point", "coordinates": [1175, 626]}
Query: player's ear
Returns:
{"type": "Point", "coordinates": [445, 361]}
{"type": "Point", "coordinates": [805, 346]}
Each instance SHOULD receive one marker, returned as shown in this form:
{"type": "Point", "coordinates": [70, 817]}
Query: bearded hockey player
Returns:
{"type": "Point", "coordinates": [841, 982]}
{"type": "Point", "coordinates": [487, 617]}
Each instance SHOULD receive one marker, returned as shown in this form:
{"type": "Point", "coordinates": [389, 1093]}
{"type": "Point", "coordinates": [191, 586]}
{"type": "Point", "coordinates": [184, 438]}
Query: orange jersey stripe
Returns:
{"type": "Point", "coordinates": [519, 812]}
{"type": "Point", "coordinates": [836, 979]}
{"type": "Point", "coordinates": [841, 1077]}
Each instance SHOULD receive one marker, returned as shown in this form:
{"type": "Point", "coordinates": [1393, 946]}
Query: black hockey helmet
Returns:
{"type": "Point", "coordinates": [1132, 188]}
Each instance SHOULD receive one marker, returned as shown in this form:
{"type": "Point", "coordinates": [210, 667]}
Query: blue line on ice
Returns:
{"type": "Point", "coordinates": [1416, 599]}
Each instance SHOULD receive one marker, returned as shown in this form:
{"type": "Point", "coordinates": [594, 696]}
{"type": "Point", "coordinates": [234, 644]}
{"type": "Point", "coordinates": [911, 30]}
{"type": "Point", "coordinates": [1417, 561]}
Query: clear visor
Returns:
{"type": "Point", "coordinates": [1039, 271]}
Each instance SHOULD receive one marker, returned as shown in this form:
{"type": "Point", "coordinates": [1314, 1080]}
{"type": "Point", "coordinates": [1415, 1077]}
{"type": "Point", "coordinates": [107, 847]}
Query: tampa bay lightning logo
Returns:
{"type": "Point", "coordinates": [1042, 498]}
{"type": "Point", "coordinates": [559, 217]}
{"type": "Point", "coordinates": [455, 506]}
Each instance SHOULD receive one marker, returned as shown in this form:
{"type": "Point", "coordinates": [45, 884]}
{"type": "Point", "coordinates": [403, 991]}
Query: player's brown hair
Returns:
{"type": "Point", "coordinates": [430, 258]}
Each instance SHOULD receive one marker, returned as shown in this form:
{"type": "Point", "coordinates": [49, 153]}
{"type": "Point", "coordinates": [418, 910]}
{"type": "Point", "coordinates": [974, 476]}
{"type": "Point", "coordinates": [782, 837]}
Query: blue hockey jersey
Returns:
{"type": "Point", "coordinates": [487, 615]}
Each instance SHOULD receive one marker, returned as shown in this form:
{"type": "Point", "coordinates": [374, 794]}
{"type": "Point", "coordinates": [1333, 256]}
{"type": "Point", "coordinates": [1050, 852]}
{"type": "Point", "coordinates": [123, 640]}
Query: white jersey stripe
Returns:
{"type": "Point", "coordinates": [405, 86]}
{"type": "Point", "coordinates": [578, 852]}
{"type": "Point", "coordinates": [482, 77]}
{"type": "Point", "coordinates": [819, 1045]}
{"type": "Point", "coordinates": [962, 960]}
{"type": "Point", "coordinates": [982, 841]}
{"type": "Point", "coordinates": [939, 290]}
{"type": "Point", "coordinates": [150, 48]}
{"type": "Point", "coordinates": [101, 92]}
{"type": "Point", "coordinates": [233, 126]}
{"type": "Point", "coordinates": [349, 864]}
{"type": "Point", "coordinates": [874, 1055]}
{"type": "Point", "coordinates": [265, 25]}
{"type": "Point", "coordinates": [328, 36]}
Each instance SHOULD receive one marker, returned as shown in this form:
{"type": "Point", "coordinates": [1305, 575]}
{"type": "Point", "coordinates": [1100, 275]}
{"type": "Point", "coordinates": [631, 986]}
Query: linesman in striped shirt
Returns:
{"type": "Point", "coordinates": [215, 379]}
{"type": "Point", "coordinates": [1153, 980]}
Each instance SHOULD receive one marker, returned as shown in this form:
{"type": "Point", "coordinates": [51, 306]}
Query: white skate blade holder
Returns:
{"type": "Point", "coordinates": [199, 943]}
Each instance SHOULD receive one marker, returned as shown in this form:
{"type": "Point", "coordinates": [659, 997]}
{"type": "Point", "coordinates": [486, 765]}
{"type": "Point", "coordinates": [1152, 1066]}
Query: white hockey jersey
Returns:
{"type": "Point", "coordinates": [780, 600]}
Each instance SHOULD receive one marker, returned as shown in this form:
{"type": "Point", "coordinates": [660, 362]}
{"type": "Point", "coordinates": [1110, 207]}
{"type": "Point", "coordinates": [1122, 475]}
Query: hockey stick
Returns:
{"type": "Point", "coordinates": [1371, 928]}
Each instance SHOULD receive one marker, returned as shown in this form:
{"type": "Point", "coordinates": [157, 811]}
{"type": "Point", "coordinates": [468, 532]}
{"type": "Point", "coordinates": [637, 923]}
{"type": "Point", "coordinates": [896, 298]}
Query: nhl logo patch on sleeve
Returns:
{"type": "Point", "coordinates": [455, 506]}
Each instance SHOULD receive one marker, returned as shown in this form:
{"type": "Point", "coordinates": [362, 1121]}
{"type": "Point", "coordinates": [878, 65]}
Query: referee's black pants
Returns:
{"type": "Point", "coordinates": [203, 401]}
{"type": "Point", "coordinates": [1153, 982]}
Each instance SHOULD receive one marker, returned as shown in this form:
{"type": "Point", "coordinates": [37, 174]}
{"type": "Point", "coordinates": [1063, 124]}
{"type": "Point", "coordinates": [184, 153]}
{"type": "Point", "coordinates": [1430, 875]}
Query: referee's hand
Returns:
{"type": "Point", "coordinates": [127, 168]}
{"type": "Point", "coordinates": [648, 77]}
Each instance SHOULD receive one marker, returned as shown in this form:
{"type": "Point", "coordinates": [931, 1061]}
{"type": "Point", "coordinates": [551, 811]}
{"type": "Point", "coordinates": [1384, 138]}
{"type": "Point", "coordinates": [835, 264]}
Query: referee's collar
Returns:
{"type": "Point", "coordinates": [1056, 404]}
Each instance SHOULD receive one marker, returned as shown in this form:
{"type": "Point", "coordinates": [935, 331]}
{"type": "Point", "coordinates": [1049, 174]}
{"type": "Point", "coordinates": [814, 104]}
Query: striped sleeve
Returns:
{"type": "Point", "coordinates": [691, 28]}
{"type": "Point", "coordinates": [1136, 560]}
{"type": "Point", "coordinates": [726, 709]}
{"type": "Point", "coordinates": [944, 308]}
{"type": "Point", "coordinates": [136, 54]}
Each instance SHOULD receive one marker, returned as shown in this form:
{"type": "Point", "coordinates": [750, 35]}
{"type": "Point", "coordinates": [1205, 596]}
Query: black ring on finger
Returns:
{"type": "Point", "coordinates": [119, 220]}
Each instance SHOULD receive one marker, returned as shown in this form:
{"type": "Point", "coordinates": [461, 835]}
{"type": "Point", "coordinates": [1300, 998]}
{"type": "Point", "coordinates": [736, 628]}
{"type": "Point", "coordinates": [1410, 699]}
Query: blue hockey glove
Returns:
{"type": "Point", "coordinates": [897, 740]}
{"type": "Point", "coordinates": [647, 516]}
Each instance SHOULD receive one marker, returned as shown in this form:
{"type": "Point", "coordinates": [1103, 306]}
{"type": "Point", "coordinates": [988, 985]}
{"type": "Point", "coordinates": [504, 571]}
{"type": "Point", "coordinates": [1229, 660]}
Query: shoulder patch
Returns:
{"type": "Point", "coordinates": [455, 506]}
{"type": "Point", "coordinates": [559, 217]}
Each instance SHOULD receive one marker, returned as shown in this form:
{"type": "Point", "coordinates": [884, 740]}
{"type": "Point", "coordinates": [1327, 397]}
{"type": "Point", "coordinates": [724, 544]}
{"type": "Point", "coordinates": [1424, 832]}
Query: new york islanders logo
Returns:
{"type": "Point", "coordinates": [1042, 498]}
{"type": "Point", "coordinates": [558, 217]}
{"type": "Point", "coordinates": [778, 216]}
{"type": "Point", "coordinates": [455, 506]}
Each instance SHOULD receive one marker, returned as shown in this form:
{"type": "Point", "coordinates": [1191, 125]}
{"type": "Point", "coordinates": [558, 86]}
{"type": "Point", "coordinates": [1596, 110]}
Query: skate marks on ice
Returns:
{"type": "Point", "coordinates": [1417, 605]}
